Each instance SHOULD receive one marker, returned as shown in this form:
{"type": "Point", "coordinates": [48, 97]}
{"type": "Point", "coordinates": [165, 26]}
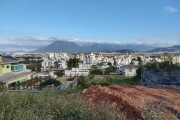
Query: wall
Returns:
{"type": "Point", "coordinates": [0, 58]}
{"type": "Point", "coordinates": [0, 69]}
{"type": "Point", "coordinates": [20, 79]}
{"type": "Point", "coordinates": [6, 68]}
{"type": "Point", "coordinates": [73, 84]}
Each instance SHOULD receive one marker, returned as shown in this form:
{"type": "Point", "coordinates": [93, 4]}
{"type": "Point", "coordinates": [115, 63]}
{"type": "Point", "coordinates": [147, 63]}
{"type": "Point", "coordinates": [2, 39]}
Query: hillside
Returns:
{"type": "Point", "coordinates": [62, 46]}
{"type": "Point", "coordinates": [175, 48]}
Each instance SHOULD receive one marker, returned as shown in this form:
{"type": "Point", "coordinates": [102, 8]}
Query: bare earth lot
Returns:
{"type": "Point", "coordinates": [133, 100]}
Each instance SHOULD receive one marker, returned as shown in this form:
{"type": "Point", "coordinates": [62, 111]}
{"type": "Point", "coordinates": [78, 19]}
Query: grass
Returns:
{"type": "Point", "coordinates": [52, 105]}
{"type": "Point", "coordinates": [106, 81]}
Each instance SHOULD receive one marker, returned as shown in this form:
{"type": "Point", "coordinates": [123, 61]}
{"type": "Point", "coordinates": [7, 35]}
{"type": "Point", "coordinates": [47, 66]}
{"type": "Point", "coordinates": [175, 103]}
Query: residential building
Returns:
{"type": "Point", "coordinates": [12, 72]}
{"type": "Point", "coordinates": [129, 70]}
{"type": "Point", "coordinates": [176, 59]}
{"type": "Point", "coordinates": [76, 72]}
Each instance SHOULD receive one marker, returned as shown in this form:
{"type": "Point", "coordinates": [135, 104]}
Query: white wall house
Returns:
{"type": "Point", "coordinates": [44, 75]}
{"type": "Point", "coordinates": [129, 70]}
{"type": "Point", "coordinates": [76, 72]}
{"type": "Point", "coordinates": [84, 66]}
{"type": "Point", "coordinates": [176, 59]}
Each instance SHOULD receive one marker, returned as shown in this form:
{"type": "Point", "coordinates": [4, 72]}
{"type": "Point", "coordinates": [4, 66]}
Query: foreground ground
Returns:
{"type": "Point", "coordinates": [138, 102]}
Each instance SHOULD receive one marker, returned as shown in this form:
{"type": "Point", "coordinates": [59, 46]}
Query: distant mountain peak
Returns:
{"type": "Point", "coordinates": [175, 48]}
{"type": "Point", "coordinates": [72, 47]}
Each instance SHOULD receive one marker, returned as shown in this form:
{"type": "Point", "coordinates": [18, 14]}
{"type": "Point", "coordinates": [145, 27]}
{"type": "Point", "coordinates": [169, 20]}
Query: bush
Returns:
{"type": "Point", "coordinates": [82, 81]}
{"type": "Point", "coordinates": [50, 82]}
{"type": "Point", "coordinates": [70, 79]}
{"type": "Point", "coordinates": [53, 105]}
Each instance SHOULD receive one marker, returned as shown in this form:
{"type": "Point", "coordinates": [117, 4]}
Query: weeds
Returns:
{"type": "Point", "coordinates": [52, 105]}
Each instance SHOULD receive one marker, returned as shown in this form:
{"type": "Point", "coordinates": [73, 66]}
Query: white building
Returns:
{"type": "Point", "coordinates": [84, 66]}
{"type": "Point", "coordinates": [129, 70]}
{"type": "Point", "coordinates": [77, 72]}
{"type": "Point", "coordinates": [44, 75]}
{"type": "Point", "coordinates": [176, 59]}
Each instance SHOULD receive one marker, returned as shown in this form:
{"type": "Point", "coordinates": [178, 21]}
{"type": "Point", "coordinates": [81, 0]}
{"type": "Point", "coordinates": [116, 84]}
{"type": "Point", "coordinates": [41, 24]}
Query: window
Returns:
{"type": "Point", "coordinates": [7, 66]}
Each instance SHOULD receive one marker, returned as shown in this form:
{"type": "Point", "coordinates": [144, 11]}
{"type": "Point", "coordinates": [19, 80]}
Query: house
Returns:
{"type": "Point", "coordinates": [176, 59]}
{"type": "Point", "coordinates": [12, 72]}
{"type": "Point", "coordinates": [129, 70]}
{"type": "Point", "coordinates": [76, 72]}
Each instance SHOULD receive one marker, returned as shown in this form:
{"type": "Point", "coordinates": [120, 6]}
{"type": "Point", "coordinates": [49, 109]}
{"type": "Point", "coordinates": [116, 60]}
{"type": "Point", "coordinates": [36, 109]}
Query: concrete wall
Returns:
{"type": "Point", "coordinates": [0, 69]}
{"type": "Point", "coordinates": [0, 58]}
{"type": "Point", "coordinates": [73, 84]}
{"type": "Point", "coordinates": [19, 79]}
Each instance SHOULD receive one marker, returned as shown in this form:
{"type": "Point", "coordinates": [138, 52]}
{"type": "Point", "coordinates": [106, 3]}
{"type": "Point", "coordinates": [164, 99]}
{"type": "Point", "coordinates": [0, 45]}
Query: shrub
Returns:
{"type": "Point", "coordinates": [50, 82]}
{"type": "Point", "coordinates": [82, 80]}
{"type": "Point", "coordinates": [52, 105]}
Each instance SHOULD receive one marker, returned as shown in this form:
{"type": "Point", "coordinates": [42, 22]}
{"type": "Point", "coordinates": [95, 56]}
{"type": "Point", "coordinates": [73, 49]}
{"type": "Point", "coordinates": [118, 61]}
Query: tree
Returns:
{"type": "Point", "coordinates": [110, 69]}
{"type": "Point", "coordinates": [139, 61]}
{"type": "Point", "coordinates": [49, 82]}
{"type": "Point", "coordinates": [114, 61]}
{"type": "Point", "coordinates": [59, 73]}
{"type": "Point", "coordinates": [157, 65]}
{"type": "Point", "coordinates": [96, 71]}
{"type": "Point", "coordinates": [109, 63]}
{"type": "Point", "coordinates": [82, 81]}
{"type": "Point", "coordinates": [73, 62]}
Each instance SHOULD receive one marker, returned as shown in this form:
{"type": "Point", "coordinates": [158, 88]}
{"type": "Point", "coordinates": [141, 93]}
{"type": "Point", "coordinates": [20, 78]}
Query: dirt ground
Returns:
{"type": "Point", "coordinates": [132, 100]}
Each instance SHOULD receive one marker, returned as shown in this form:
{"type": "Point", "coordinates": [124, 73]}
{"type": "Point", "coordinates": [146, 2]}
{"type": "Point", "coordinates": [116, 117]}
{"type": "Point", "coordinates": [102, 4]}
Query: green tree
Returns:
{"type": "Point", "coordinates": [49, 82]}
{"type": "Point", "coordinates": [73, 62]}
{"type": "Point", "coordinates": [156, 64]}
{"type": "Point", "coordinates": [59, 73]}
{"type": "Point", "coordinates": [110, 69]}
{"type": "Point", "coordinates": [109, 63]}
{"type": "Point", "coordinates": [82, 80]}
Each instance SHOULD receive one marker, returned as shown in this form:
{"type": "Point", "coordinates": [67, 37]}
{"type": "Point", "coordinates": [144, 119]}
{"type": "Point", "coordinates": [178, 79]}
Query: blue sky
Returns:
{"type": "Point", "coordinates": [29, 24]}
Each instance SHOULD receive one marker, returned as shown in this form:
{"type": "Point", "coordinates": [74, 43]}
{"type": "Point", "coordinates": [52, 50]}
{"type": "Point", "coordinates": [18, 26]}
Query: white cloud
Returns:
{"type": "Point", "coordinates": [155, 43]}
{"type": "Point", "coordinates": [32, 43]}
{"type": "Point", "coordinates": [171, 9]}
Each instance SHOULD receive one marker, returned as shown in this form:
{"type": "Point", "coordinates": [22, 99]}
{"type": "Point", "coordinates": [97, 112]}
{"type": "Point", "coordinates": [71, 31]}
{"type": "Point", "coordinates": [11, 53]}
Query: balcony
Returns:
{"type": "Point", "coordinates": [17, 68]}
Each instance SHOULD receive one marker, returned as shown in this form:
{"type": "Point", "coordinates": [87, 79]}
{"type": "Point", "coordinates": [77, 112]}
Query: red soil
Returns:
{"type": "Point", "coordinates": [133, 99]}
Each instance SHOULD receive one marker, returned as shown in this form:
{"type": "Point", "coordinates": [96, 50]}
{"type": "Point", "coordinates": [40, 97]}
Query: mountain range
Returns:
{"type": "Point", "coordinates": [72, 47]}
{"type": "Point", "coordinates": [175, 48]}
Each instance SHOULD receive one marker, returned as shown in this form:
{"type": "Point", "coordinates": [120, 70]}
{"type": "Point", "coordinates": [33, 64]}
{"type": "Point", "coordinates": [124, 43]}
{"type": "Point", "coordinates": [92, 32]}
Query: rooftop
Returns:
{"type": "Point", "coordinates": [8, 59]}
{"type": "Point", "coordinates": [9, 76]}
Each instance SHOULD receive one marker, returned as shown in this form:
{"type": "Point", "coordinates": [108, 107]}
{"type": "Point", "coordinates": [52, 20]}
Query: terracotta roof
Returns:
{"type": "Point", "coordinates": [9, 76]}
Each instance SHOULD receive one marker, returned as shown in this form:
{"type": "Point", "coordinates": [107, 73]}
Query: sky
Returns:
{"type": "Point", "coordinates": [30, 24]}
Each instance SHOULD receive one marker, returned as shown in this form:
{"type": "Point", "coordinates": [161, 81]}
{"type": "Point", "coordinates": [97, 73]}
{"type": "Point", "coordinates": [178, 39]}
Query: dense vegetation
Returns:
{"type": "Point", "coordinates": [107, 80]}
{"type": "Point", "coordinates": [166, 66]}
{"type": "Point", "coordinates": [52, 105]}
{"type": "Point", "coordinates": [107, 71]}
{"type": "Point", "coordinates": [59, 73]}
{"type": "Point", "coordinates": [49, 82]}
{"type": "Point", "coordinates": [73, 63]}
{"type": "Point", "coordinates": [33, 65]}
